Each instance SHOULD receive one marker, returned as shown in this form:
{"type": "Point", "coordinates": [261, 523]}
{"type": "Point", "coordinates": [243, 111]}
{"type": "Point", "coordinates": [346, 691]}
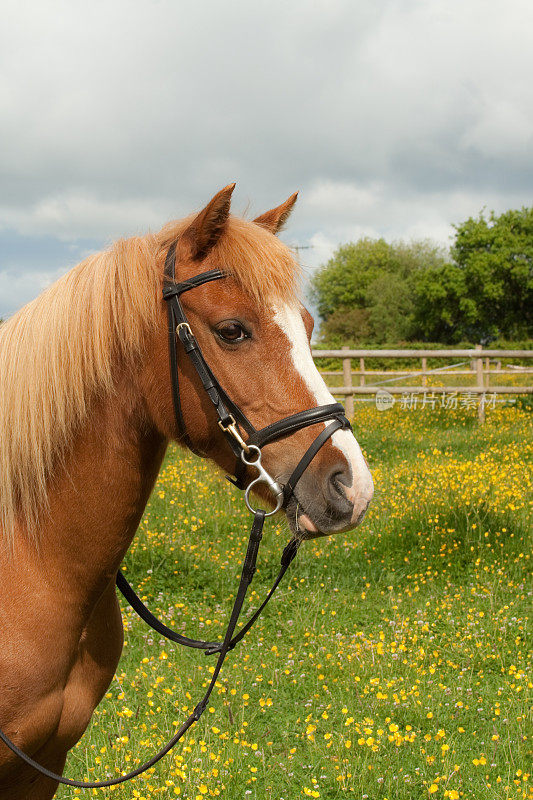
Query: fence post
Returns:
{"type": "Point", "coordinates": [481, 399]}
{"type": "Point", "coordinates": [347, 379]}
{"type": "Point", "coordinates": [424, 370]}
{"type": "Point", "coordinates": [362, 371]}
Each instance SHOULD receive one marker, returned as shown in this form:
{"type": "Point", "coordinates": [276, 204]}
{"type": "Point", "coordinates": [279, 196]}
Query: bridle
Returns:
{"type": "Point", "coordinates": [230, 417]}
{"type": "Point", "coordinates": [232, 421]}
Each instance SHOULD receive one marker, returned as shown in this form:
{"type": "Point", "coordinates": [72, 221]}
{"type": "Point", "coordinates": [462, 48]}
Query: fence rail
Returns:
{"type": "Point", "coordinates": [480, 369]}
{"type": "Point", "coordinates": [472, 353]}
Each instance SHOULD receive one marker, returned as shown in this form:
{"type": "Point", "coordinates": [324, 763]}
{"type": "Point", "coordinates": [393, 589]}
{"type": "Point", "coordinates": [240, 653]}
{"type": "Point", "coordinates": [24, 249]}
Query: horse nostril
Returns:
{"type": "Point", "coordinates": [339, 481]}
{"type": "Point", "coordinates": [338, 484]}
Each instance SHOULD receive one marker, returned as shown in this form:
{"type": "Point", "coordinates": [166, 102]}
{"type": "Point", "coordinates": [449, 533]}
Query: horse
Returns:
{"type": "Point", "coordinates": [86, 414]}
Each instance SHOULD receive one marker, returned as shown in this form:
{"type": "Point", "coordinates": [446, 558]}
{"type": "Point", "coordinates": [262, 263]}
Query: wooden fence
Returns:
{"type": "Point", "coordinates": [483, 363]}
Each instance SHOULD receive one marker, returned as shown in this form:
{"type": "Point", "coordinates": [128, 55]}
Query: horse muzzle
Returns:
{"type": "Point", "coordinates": [332, 504]}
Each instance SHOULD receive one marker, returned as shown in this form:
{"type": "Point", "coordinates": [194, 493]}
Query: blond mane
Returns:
{"type": "Point", "coordinates": [58, 351]}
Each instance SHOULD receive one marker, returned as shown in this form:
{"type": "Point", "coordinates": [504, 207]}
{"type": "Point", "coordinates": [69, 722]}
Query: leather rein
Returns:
{"type": "Point", "coordinates": [234, 425]}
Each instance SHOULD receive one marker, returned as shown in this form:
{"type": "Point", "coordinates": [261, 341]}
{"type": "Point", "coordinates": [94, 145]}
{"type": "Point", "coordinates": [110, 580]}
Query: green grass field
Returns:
{"type": "Point", "coordinates": [394, 661]}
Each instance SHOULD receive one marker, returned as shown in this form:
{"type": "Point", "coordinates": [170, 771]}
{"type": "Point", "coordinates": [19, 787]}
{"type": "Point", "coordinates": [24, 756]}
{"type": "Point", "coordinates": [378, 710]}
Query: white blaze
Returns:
{"type": "Point", "coordinates": [291, 323]}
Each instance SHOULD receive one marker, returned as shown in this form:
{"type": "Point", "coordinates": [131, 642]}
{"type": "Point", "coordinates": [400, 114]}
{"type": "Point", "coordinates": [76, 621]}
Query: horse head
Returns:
{"type": "Point", "coordinates": [254, 334]}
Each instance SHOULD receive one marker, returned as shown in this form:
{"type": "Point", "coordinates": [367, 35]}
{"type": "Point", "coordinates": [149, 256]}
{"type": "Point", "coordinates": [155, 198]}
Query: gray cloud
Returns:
{"type": "Point", "coordinates": [393, 118]}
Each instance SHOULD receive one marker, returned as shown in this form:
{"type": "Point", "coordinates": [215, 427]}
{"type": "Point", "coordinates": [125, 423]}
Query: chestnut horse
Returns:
{"type": "Point", "coordinates": [86, 414]}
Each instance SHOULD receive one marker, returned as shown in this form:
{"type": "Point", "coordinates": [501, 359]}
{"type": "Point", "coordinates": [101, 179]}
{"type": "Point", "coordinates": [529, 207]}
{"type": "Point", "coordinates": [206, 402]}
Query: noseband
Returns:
{"type": "Point", "coordinates": [235, 426]}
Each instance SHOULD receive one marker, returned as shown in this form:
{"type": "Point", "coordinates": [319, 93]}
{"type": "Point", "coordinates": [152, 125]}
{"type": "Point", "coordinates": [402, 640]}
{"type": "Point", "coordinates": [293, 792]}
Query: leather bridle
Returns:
{"type": "Point", "coordinates": [230, 416]}
{"type": "Point", "coordinates": [235, 426]}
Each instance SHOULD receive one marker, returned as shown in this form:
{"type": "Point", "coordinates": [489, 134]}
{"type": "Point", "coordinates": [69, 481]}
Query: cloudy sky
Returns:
{"type": "Point", "coordinates": [392, 117]}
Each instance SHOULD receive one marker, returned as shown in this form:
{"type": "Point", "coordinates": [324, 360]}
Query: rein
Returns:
{"type": "Point", "coordinates": [231, 420]}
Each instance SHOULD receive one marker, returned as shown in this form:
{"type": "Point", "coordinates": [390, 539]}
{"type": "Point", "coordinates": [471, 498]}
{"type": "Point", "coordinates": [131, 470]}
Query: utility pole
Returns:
{"type": "Point", "coordinates": [299, 247]}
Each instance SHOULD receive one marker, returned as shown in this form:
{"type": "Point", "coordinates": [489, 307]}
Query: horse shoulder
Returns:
{"type": "Point", "coordinates": [98, 653]}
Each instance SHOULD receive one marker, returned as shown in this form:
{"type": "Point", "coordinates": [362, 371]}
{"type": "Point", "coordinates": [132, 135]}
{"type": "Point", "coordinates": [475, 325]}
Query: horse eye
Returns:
{"type": "Point", "coordinates": [232, 332]}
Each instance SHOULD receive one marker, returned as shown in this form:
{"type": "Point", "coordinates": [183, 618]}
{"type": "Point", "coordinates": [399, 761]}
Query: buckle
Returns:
{"type": "Point", "coordinates": [231, 428]}
{"type": "Point", "coordinates": [183, 325]}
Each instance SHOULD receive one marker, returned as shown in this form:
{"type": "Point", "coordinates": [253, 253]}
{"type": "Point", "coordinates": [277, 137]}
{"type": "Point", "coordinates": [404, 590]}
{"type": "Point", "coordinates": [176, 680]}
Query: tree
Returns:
{"type": "Point", "coordinates": [443, 311]}
{"type": "Point", "coordinates": [377, 280]}
{"type": "Point", "coordinates": [346, 326]}
{"type": "Point", "coordinates": [488, 291]}
{"type": "Point", "coordinates": [343, 282]}
{"type": "Point", "coordinates": [391, 308]}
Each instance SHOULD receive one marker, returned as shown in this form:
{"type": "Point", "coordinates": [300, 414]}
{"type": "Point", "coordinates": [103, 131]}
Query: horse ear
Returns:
{"type": "Point", "coordinates": [207, 227]}
{"type": "Point", "coordinates": [275, 219]}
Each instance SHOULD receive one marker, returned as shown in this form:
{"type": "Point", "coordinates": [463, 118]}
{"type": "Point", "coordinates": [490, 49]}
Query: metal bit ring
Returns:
{"type": "Point", "coordinates": [263, 477]}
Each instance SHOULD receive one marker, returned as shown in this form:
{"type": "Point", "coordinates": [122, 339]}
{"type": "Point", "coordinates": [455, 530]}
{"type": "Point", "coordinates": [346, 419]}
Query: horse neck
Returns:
{"type": "Point", "coordinates": [98, 496]}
